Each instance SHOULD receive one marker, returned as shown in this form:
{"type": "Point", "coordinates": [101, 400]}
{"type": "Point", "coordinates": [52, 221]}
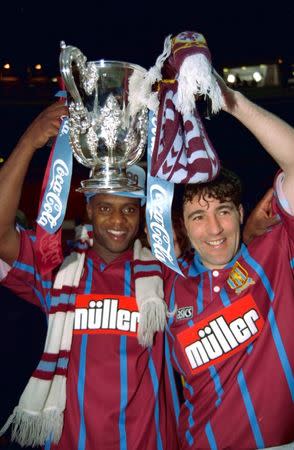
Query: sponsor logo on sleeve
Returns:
{"type": "Point", "coordinates": [185, 313]}
{"type": "Point", "coordinates": [106, 314]}
{"type": "Point", "coordinates": [221, 335]}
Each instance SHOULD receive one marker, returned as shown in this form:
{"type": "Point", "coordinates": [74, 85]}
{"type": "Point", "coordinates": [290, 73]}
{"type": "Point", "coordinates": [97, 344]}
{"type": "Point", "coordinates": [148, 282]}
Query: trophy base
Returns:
{"type": "Point", "coordinates": [109, 181]}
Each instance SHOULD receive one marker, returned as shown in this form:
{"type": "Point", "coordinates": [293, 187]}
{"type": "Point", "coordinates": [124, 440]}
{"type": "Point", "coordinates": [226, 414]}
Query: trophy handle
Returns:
{"type": "Point", "coordinates": [88, 72]}
{"type": "Point", "coordinates": [80, 119]}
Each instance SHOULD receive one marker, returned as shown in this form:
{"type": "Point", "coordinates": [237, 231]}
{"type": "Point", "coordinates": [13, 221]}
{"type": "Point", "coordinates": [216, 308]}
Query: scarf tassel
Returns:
{"type": "Point", "coordinates": [31, 429]}
{"type": "Point", "coordinates": [152, 319]}
{"type": "Point", "coordinates": [196, 78]}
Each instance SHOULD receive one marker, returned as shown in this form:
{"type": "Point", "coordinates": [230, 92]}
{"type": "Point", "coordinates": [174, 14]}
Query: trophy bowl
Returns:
{"type": "Point", "coordinates": [104, 135]}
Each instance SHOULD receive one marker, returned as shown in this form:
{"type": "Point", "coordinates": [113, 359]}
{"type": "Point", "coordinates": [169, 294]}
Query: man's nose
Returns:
{"type": "Point", "coordinates": [117, 217]}
{"type": "Point", "coordinates": [214, 225]}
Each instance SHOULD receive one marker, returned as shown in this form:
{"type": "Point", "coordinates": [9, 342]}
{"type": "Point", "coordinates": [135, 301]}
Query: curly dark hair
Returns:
{"type": "Point", "coordinates": [225, 187]}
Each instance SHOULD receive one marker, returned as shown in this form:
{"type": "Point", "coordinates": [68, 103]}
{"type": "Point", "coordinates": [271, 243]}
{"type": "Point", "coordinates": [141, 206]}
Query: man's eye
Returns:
{"type": "Point", "coordinates": [223, 212]}
{"type": "Point", "coordinates": [104, 209]}
{"type": "Point", "coordinates": [129, 210]}
{"type": "Point", "coordinates": [197, 218]}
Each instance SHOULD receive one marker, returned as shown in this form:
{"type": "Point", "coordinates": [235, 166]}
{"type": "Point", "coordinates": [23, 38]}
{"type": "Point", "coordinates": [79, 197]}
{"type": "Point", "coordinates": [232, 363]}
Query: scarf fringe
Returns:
{"type": "Point", "coordinates": [196, 78]}
{"type": "Point", "coordinates": [152, 319]}
{"type": "Point", "coordinates": [140, 84]}
{"type": "Point", "coordinates": [167, 46]}
{"type": "Point", "coordinates": [31, 429]}
{"type": "Point", "coordinates": [140, 91]}
{"type": "Point", "coordinates": [150, 299]}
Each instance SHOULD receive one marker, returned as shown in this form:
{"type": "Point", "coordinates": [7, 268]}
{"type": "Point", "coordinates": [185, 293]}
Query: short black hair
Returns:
{"type": "Point", "coordinates": [225, 187]}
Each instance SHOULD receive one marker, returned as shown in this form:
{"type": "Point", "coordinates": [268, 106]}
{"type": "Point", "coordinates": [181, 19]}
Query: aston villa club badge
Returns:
{"type": "Point", "coordinates": [239, 278]}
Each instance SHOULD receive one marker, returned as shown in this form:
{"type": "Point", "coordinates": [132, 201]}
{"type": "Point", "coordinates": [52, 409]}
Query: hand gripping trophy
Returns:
{"type": "Point", "coordinates": [104, 134]}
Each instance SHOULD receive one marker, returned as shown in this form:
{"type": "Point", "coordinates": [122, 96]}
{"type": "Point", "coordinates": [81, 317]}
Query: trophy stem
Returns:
{"type": "Point", "coordinates": [109, 178]}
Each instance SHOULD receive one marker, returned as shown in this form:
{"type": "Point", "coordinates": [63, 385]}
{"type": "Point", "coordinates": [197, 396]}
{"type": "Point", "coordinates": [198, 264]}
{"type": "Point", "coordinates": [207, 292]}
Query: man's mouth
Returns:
{"type": "Point", "coordinates": [117, 233]}
{"type": "Point", "coordinates": [216, 243]}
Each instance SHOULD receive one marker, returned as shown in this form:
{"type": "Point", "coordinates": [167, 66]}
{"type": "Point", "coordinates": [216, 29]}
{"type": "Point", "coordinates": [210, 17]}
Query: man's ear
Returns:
{"type": "Point", "coordinates": [89, 211]}
{"type": "Point", "coordinates": [241, 213]}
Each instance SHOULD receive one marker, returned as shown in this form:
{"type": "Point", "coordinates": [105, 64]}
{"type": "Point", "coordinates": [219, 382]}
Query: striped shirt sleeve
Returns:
{"type": "Point", "coordinates": [24, 278]}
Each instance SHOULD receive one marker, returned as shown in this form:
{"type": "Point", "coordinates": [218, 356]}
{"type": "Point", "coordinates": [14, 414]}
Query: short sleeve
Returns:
{"type": "Point", "coordinates": [24, 278]}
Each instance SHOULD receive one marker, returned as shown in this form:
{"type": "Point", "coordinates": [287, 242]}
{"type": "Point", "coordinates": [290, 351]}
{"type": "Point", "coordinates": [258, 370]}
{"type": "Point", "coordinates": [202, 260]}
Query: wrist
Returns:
{"type": "Point", "coordinates": [25, 144]}
{"type": "Point", "coordinates": [234, 102]}
{"type": "Point", "coordinates": [241, 106]}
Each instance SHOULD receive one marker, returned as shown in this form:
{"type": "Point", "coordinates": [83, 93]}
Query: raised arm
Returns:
{"type": "Point", "coordinates": [13, 172]}
{"type": "Point", "coordinates": [275, 135]}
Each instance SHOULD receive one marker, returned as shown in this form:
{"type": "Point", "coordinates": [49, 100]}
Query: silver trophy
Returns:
{"type": "Point", "coordinates": [104, 135]}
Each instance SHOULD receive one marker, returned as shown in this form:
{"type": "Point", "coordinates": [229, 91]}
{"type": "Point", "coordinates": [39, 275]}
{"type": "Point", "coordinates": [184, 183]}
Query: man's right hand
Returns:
{"type": "Point", "coordinates": [13, 172]}
{"type": "Point", "coordinates": [261, 218]}
{"type": "Point", "coordinates": [44, 127]}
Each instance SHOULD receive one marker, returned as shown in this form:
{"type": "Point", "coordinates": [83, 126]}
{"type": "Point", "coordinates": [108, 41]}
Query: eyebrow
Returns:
{"type": "Point", "coordinates": [99, 203]}
{"type": "Point", "coordinates": [124, 205]}
{"type": "Point", "coordinates": [131, 204]}
{"type": "Point", "coordinates": [202, 210]}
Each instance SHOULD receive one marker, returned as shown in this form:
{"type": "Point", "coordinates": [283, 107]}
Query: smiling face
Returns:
{"type": "Point", "coordinates": [213, 228]}
{"type": "Point", "coordinates": [115, 221]}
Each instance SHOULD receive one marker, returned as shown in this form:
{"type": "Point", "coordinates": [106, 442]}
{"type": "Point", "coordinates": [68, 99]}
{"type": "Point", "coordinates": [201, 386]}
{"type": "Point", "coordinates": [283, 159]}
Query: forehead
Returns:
{"type": "Point", "coordinates": [115, 200]}
{"type": "Point", "coordinates": [205, 203]}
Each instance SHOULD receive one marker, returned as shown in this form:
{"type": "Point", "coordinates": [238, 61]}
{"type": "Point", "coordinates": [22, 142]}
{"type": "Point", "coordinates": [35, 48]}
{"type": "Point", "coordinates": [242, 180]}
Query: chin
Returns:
{"type": "Point", "coordinates": [219, 263]}
{"type": "Point", "coordinates": [120, 248]}
{"type": "Point", "coordinates": [117, 249]}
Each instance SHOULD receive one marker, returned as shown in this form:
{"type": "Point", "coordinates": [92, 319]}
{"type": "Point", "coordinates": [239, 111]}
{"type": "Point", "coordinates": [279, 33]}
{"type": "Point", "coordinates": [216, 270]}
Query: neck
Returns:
{"type": "Point", "coordinates": [107, 255]}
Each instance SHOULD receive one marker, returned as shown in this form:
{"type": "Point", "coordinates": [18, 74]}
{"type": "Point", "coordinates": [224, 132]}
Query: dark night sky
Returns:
{"type": "Point", "coordinates": [135, 32]}
{"type": "Point", "coordinates": [30, 33]}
